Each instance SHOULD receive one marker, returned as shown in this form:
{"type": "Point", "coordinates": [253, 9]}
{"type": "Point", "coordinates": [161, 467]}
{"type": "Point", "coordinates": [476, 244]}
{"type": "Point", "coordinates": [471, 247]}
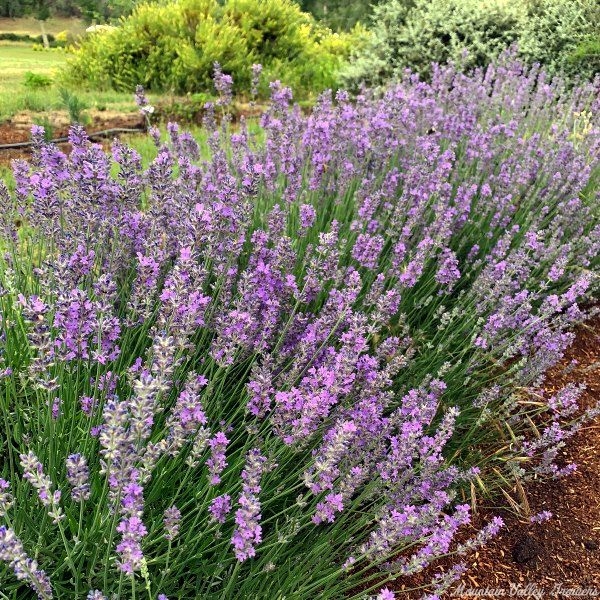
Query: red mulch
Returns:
{"type": "Point", "coordinates": [559, 558]}
{"type": "Point", "coordinates": [19, 130]}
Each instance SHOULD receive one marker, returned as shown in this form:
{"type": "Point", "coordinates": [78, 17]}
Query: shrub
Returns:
{"type": "Point", "coordinates": [173, 47]}
{"type": "Point", "coordinates": [24, 37]}
{"type": "Point", "coordinates": [36, 81]}
{"type": "Point", "coordinates": [267, 372]}
{"type": "Point", "coordinates": [414, 33]}
{"type": "Point", "coordinates": [74, 105]}
{"type": "Point", "coordinates": [553, 30]}
{"type": "Point", "coordinates": [586, 57]}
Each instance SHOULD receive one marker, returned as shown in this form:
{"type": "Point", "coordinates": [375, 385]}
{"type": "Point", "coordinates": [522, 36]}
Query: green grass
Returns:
{"type": "Point", "coordinates": [142, 143]}
{"type": "Point", "coordinates": [18, 58]}
{"type": "Point", "coordinates": [31, 26]}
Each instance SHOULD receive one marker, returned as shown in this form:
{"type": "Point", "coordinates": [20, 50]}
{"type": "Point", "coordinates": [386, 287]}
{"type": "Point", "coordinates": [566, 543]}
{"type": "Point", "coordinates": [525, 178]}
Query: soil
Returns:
{"type": "Point", "coordinates": [562, 553]}
{"type": "Point", "coordinates": [18, 129]}
{"type": "Point", "coordinates": [559, 558]}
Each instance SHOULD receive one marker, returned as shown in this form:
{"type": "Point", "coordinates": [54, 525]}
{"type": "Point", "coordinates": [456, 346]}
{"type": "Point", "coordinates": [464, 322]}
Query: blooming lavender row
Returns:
{"type": "Point", "coordinates": [284, 367]}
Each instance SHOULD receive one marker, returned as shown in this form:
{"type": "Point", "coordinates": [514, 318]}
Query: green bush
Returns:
{"type": "Point", "coordinates": [586, 57]}
{"type": "Point", "coordinates": [74, 105]}
{"type": "Point", "coordinates": [9, 36]}
{"type": "Point", "coordinates": [173, 47]}
{"type": "Point", "coordinates": [553, 30]}
{"type": "Point", "coordinates": [36, 81]}
{"type": "Point", "coordinates": [414, 33]}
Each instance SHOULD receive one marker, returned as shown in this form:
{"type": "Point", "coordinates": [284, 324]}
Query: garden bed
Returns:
{"type": "Point", "coordinates": [565, 549]}
{"type": "Point", "coordinates": [298, 364]}
{"type": "Point", "coordinates": [18, 131]}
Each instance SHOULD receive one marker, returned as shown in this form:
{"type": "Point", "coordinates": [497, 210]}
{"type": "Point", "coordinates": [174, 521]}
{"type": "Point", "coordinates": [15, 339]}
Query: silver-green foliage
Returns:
{"type": "Point", "coordinates": [553, 30]}
{"type": "Point", "coordinates": [414, 33]}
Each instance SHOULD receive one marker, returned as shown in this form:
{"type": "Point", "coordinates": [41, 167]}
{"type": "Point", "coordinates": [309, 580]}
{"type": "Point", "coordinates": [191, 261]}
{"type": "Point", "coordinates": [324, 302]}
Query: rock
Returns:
{"type": "Point", "coordinates": [525, 550]}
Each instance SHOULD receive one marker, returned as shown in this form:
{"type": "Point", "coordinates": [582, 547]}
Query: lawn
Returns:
{"type": "Point", "coordinates": [31, 26]}
{"type": "Point", "coordinates": [16, 59]}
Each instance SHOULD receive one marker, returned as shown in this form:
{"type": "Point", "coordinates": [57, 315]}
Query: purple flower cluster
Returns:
{"type": "Point", "coordinates": [24, 568]}
{"type": "Point", "coordinates": [6, 498]}
{"type": "Point", "coordinates": [171, 521]}
{"type": "Point", "coordinates": [220, 507]}
{"type": "Point", "coordinates": [78, 475]}
{"type": "Point", "coordinates": [33, 472]}
{"type": "Point", "coordinates": [248, 532]}
{"type": "Point", "coordinates": [217, 461]}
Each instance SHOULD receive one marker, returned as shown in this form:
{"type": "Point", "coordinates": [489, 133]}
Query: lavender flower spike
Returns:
{"type": "Point", "coordinates": [25, 568]}
{"type": "Point", "coordinates": [78, 475]}
{"type": "Point", "coordinates": [171, 521]}
{"type": "Point", "coordinates": [6, 498]}
{"type": "Point", "coordinates": [33, 471]}
{"type": "Point", "coordinates": [248, 533]}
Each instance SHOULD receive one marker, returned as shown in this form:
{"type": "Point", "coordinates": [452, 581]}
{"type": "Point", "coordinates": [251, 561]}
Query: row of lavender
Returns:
{"type": "Point", "coordinates": [284, 370]}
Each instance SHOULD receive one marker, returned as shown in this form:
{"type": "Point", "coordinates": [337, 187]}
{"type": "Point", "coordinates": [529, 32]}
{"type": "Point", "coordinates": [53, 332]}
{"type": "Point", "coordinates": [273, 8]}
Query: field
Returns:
{"type": "Point", "coordinates": [30, 26]}
{"type": "Point", "coordinates": [16, 100]}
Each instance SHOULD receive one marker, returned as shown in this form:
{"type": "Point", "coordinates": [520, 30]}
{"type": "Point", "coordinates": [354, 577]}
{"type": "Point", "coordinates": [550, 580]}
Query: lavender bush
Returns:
{"type": "Point", "coordinates": [283, 371]}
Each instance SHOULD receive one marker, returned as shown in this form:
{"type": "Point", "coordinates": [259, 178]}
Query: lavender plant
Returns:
{"type": "Point", "coordinates": [279, 371]}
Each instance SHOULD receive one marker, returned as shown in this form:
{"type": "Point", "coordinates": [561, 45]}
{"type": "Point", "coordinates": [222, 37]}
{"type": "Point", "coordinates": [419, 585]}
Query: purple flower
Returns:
{"type": "Point", "coordinates": [326, 510]}
{"type": "Point", "coordinates": [223, 85]}
{"type": "Point", "coordinates": [308, 214]}
{"type": "Point", "coordinates": [132, 531]}
{"type": "Point", "coordinates": [256, 71]}
{"type": "Point", "coordinates": [220, 507]}
{"type": "Point", "coordinates": [217, 461]}
{"type": "Point", "coordinates": [24, 568]}
{"type": "Point", "coordinates": [171, 521]}
{"type": "Point", "coordinates": [141, 100]}
{"type": "Point", "coordinates": [6, 498]}
{"type": "Point", "coordinates": [78, 476]}
{"type": "Point", "coordinates": [247, 533]}
{"type": "Point", "coordinates": [367, 249]}
{"type": "Point", "coordinates": [448, 272]}
{"type": "Point", "coordinates": [33, 472]}
{"type": "Point", "coordinates": [540, 517]}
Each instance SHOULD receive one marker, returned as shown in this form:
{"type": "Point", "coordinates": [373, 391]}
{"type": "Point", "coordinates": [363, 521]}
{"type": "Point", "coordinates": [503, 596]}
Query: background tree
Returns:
{"type": "Point", "coordinates": [340, 14]}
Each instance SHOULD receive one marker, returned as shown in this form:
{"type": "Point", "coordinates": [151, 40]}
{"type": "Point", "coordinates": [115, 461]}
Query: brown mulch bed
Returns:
{"type": "Point", "coordinates": [564, 551]}
{"type": "Point", "coordinates": [18, 129]}
{"type": "Point", "coordinates": [559, 558]}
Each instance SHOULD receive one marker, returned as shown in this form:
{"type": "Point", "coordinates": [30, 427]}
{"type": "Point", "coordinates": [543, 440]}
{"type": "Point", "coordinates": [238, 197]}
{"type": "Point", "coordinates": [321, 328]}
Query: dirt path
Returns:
{"type": "Point", "coordinates": [18, 129]}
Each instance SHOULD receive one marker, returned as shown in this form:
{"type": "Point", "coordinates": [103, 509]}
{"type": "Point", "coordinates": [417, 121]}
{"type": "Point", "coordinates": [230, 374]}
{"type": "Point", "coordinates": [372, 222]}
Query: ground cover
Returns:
{"type": "Point", "coordinates": [16, 98]}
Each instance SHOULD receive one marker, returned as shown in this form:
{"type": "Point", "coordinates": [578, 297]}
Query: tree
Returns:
{"type": "Point", "coordinates": [340, 14]}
